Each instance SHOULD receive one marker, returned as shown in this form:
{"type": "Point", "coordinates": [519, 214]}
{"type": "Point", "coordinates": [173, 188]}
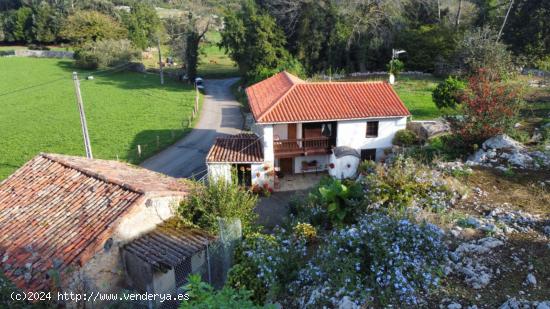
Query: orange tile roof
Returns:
{"type": "Point", "coordinates": [240, 148]}
{"type": "Point", "coordinates": [57, 211]}
{"type": "Point", "coordinates": [286, 98]}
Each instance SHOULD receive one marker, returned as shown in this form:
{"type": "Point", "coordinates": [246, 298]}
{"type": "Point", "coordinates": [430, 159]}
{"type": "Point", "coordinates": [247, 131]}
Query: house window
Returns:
{"type": "Point", "coordinates": [368, 154]}
{"type": "Point", "coordinates": [372, 128]}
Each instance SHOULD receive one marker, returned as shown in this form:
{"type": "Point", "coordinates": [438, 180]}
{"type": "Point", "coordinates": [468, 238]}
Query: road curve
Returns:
{"type": "Point", "coordinates": [220, 115]}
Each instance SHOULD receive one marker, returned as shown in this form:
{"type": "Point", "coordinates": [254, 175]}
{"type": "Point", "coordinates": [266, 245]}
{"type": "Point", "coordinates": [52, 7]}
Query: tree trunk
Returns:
{"type": "Point", "coordinates": [457, 23]}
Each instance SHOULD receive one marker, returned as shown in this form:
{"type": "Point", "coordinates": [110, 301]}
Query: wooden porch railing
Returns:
{"type": "Point", "coordinates": [303, 145]}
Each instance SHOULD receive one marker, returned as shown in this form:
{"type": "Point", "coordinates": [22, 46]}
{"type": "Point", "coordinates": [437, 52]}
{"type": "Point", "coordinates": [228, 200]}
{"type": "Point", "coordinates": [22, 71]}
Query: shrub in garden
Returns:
{"type": "Point", "coordinates": [106, 53]}
{"type": "Point", "coordinates": [265, 264]}
{"type": "Point", "coordinates": [218, 199]}
{"type": "Point", "coordinates": [447, 94]}
{"type": "Point", "coordinates": [332, 203]}
{"type": "Point", "coordinates": [405, 183]}
{"type": "Point", "coordinates": [490, 107]}
{"type": "Point", "coordinates": [405, 137]}
{"type": "Point", "coordinates": [380, 260]}
{"type": "Point", "coordinates": [203, 295]}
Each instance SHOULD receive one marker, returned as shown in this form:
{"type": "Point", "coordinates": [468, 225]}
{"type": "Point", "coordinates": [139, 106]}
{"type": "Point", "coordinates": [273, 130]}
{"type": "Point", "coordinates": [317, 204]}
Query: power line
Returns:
{"type": "Point", "coordinates": [32, 86]}
{"type": "Point", "coordinates": [59, 79]}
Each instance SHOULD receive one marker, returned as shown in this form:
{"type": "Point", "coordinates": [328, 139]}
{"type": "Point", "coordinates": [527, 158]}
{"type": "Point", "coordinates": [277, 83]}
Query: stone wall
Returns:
{"type": "Point", "coordinates": [104, 272]}
{"type": "Point", "coordinates": [44, 53]}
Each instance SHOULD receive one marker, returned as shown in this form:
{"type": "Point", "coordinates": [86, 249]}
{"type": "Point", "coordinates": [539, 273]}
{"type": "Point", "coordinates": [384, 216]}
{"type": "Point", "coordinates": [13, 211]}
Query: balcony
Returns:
{"type": "Point", "coordinates": [289, 148]}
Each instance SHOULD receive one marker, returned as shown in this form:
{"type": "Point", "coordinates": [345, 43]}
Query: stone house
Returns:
{"type": "Point", "coordinates": [65, 220]}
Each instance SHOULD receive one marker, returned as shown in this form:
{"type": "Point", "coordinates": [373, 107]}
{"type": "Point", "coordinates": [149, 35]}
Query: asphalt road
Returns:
{"type": "Point", "coordinates": [220, 115]}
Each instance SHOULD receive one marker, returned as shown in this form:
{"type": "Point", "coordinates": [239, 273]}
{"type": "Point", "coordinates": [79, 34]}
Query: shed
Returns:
{"type": "Point", "coordinates": [161, 260]}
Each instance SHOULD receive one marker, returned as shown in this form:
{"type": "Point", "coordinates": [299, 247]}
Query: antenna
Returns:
{"type": "Point", "coordinates": [87, 145]}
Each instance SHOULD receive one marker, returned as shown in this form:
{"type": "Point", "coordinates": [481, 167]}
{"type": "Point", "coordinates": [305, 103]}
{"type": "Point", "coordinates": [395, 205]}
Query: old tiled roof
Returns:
{"type": "Point", "coordinates": [169, 245]}
{"type": "Point", "coordinates": [285, 98]}
{"type": "Point", "coordinates": [56, 211]}
{"type": "Point", "coordinates": [240, 148]}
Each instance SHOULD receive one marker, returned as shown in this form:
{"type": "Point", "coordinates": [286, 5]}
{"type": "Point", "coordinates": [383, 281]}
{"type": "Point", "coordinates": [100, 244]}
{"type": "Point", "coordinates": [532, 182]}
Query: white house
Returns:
{"type": "Point", "coordinates": [300, 123]}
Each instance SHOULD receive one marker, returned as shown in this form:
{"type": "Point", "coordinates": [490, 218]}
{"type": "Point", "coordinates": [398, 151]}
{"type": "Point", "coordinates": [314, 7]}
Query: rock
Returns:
{"type": "Point", "coordinates": [520, 159]}
{"type": "Point", "coordinates": [531, 280]}
{"type": "Point", "coordinates": [502, 142]}
{"type": "Point", "coordinates": [537, 137]}
{"type": "Point", "coordinates": [547, 230]}
{"type": "Point", "coordinates": [477, 158]}
{"type": "Point", "coordinates": [428, 129]}
{"type": "Point", "coordinates": [543, 305]}
{"type": "Point", "coordinates": [471, 221]}
{"type": "Point", "coordinates": [454, 306]}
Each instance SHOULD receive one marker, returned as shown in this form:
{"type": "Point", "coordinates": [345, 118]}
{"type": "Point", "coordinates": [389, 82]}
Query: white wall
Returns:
{"type": "Point", "coordinates": [267, 142]}
{"type": "Point", "coordinates": [322, 162]}
{"type": "Point", "coordinates": [280, 130]}
{"type": "Point", "coordinates": [352, 133]}
{"type": "Point", "coordinates": [218, 171]}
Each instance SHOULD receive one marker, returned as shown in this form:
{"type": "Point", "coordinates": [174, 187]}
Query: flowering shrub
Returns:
{"type": "Point", "coordinates": [305, 231]}
{"type": "Point", "coordinates": [381, 260]}
{"type": "Point", "coordinates": [404, 183]}
{"type": "Point", "coordinates": [266, 263]}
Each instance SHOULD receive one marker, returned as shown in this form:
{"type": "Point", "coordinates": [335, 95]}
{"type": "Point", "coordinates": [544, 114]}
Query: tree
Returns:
{"type": "Point", "coordinates": [106, 53]}
{"type": "Point", "coordinates": [253, 40]}
{"type": "Point", "coordinates": [143, 25]}
{"type": "Point", "coordinates": [91, 26]}
{"type": "Point", "coordinates": [480, 49]}
{"type": "Point", "coordinates": [427, 45]}
{"type": "Point", "coordinates": [527, 30]}
{"type": "Point", "coordinates": [447, 95]}
{"type": "Point", "coordinates": [490, 107]}
{"type": "Point", "coordinates": [22, 23]}
{"type": "Point", "coordinates": [46, 23]}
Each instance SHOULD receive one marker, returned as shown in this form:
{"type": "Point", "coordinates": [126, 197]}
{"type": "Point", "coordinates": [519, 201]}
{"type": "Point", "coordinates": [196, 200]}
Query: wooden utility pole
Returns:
{"type": "Point", "coordinates": [505, 19]}
{"type": "Point", "coordinates": [160, 63]}
{"type": "Point", "coordinates": [83, 124]}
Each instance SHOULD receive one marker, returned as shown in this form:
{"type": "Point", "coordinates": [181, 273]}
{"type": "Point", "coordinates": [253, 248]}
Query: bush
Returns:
{"type": "Point", "coordinates": [332, 203]}
{"type": "Point", "coordinates": [106, 53]}
{"type": "Point", "coordinates": [447, 94]}
{"type": "Point", "coordinates": [395, 66]}
{"type": "Point", "coordinates": [489, 107]}
{"type": "Point", "coordinates": [265, 264]}
{"type": "Point", "coordinates": [380, 261]}
{"type": "Point", "coordinates": [405, 183]}
{"type": "Point", "coordinates": [405, 137]}
{"type": "Point", "coordinates": [218, 199]}
{"type": "Point", "coordinates": [203, 295]}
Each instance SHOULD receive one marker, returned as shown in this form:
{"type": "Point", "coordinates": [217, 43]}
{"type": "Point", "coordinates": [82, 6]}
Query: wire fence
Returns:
{"type": "Point", "coordinates": [152, 143]}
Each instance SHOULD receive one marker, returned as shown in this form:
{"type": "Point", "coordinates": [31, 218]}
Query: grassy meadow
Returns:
{"type": "Point", "coordinates": [38, 112]}
{"type": "Point", "coordinates": [214, 63]}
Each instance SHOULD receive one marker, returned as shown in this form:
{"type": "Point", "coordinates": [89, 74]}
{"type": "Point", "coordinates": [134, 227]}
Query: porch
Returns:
{"type": "Point", "coordinates": [289, 148]}
{"type": "Point", "coordinates": [298, 182]}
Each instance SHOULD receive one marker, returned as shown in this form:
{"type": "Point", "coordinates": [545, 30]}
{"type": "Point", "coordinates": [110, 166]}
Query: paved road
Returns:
{"type": "Point", "coordinates": [220, 116]}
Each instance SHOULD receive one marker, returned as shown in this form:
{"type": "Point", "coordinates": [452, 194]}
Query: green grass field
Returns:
{"type": "Point", "coordinates": [123, 110]}
{"type": "Point", "coordinates": [214, 62]}
{"type": "Point", "coordinates": [416, 93]}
